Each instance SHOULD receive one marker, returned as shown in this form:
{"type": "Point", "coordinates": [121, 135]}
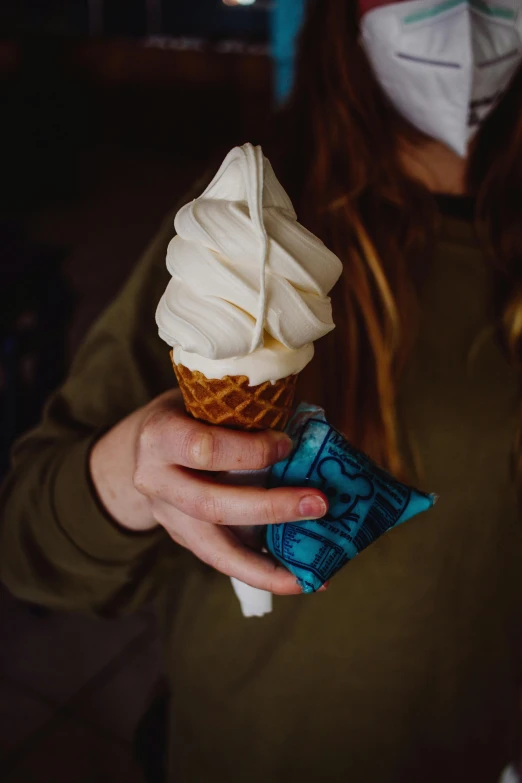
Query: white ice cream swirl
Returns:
{"type": "Point", "coordinates": [249, 288]}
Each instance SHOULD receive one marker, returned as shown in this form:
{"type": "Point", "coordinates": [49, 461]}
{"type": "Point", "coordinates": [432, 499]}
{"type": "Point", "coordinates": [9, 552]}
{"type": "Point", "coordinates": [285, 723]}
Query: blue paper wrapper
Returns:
{"type": "Point", "coordinates": [365, 501]}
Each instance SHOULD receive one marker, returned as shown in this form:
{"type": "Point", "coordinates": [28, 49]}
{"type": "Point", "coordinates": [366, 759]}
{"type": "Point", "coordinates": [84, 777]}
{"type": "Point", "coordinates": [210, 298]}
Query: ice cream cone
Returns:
{"type": "Point", "coordinates": [231, 402]}
{"type": "Point", "coordinates": [247, 300]}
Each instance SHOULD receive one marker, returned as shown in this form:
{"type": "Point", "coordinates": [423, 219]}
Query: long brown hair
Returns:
{"type": "Point", "coordinates": [339, 158]}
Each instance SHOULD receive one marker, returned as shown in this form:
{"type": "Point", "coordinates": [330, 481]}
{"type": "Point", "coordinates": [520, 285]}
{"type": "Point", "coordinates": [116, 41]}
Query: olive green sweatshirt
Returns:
{"type": "Point", "coordinates": [407, 669]}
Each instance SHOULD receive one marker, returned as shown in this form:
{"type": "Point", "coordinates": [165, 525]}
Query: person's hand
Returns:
{"type": "Point", "coordinates": [176, 465]}
{"type": "Point", "coordinates": [176, 472]}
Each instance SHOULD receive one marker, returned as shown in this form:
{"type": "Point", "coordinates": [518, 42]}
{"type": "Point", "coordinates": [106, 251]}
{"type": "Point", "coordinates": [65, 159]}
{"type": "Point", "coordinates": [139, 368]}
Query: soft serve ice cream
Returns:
{"type": "Point", "coordinates": [249, 288]}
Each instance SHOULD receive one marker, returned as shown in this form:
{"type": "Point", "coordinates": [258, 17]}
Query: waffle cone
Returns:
{"type": "Point", "coordinates": [231, 402]}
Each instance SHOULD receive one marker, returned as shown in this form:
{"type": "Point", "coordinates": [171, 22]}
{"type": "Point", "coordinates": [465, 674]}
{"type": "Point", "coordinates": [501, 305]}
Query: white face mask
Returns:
{"type": "Point", "coordinates": [444, 65]}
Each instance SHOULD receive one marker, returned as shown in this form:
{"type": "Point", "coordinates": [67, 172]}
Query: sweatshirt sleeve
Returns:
{"type": "Point", "coordinates": [58, 546]}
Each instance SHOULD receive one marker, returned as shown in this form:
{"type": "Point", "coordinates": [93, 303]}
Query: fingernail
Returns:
{"type": "Point", "coordinates": [284, 447]}
{"type": "Point", "coordinates": [312, 507]}
{"type": "Point", "coordinates": [324, 588]}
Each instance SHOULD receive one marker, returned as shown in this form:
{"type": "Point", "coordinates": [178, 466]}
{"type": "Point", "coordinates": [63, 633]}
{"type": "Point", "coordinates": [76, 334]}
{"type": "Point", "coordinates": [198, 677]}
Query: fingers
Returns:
{"type": "Point", "coordinates": [170, 436]}
{"type": "Point", "coordinates": [230, 557]}
{"type": "Point", "coordinates": [220, 549]}
{"type": "Point", "coordinates": [197, 496]}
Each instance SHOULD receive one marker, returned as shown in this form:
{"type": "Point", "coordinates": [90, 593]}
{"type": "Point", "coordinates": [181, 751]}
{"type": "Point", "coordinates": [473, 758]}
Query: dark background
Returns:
{"type": "Point", "coordinates": [100, 136]}
{"type": "Point", "coordinates": [109, 113]}
{"type": "Point", "coordinates": [206, 18]}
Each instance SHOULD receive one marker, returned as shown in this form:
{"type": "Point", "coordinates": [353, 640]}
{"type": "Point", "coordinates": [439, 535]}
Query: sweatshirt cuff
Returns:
{"type": "Point", "coordinates": [83, 518]}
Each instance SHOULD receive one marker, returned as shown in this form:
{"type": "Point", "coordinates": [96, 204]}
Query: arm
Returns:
{"type": "Point", "coordinates": [58, 544]}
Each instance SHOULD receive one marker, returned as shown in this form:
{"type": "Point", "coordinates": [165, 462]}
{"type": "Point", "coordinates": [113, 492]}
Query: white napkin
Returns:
{"type": "Point", "coordinates": [254, 602]}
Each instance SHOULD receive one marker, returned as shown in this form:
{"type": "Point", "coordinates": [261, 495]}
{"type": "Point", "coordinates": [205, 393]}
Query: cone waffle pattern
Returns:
{"type": "Point", "coordinates": [231, 402]}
